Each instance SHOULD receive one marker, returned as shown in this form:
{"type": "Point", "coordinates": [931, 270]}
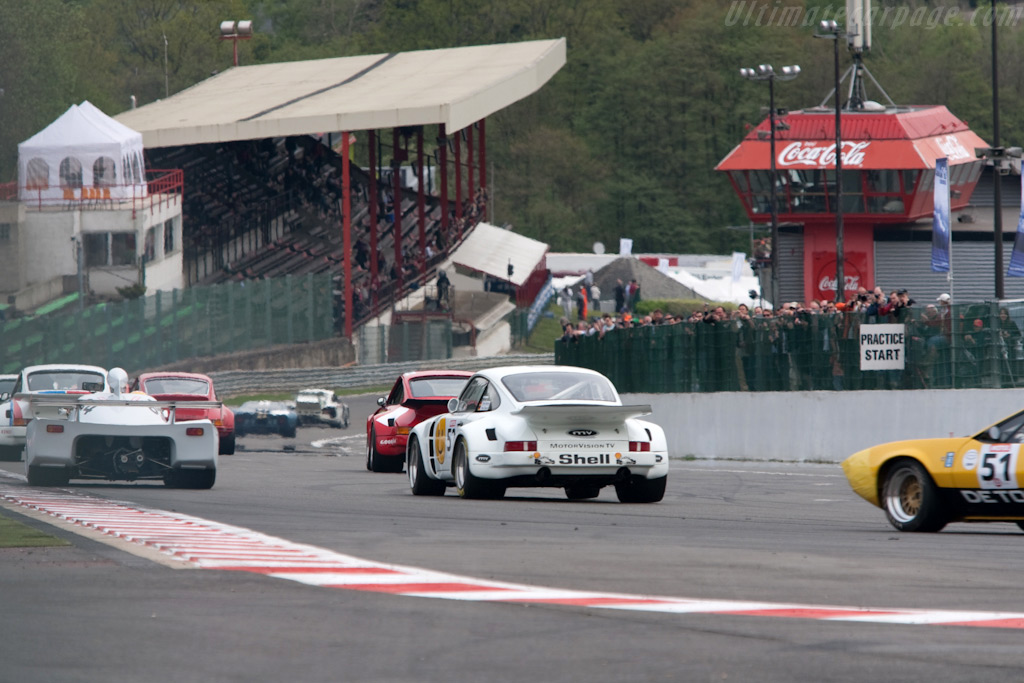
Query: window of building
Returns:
{"type": "Point", "coordinates": [122, 249]}
{"type": "Point", "coordinates": [168, 237]}
{"type": "Point", "coordinates": [96, 249]}
{"type": "Point", "coordinates": [149, 250]}
{"type": "Point", "coordinates": [5, 232]}
{"type": "Point", "coordinates": [70, 172]}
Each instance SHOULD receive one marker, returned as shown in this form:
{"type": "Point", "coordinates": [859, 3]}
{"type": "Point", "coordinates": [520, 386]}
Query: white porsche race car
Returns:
{"type": "Point", "coordinates": [58, 378]}
{"type": "Point", "coordinates": [547, 426]}
{"type": "Point", "coordinates": [116, 436]}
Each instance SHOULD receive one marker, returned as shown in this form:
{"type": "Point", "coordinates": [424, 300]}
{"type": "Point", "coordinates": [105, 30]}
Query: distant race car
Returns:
{"type": "Point", "coordinates": [117, 436]}
{"type": "Point", "coordinates": [266, 417]}
{"type": "Point", "coordinates": [414, 397]}
{"type": "Point", "coordinates": [6, 386]}
{"type": "Point", "coordinates": [924, 484]}
{"type": "Point", "coordinates": [321, 406]}
{"type": "Point", "coordinates": [55, 378]}
{"type": "Point", "coordinates": [190, 386]}
{"type": "Point", "coordinates": [543, 426]}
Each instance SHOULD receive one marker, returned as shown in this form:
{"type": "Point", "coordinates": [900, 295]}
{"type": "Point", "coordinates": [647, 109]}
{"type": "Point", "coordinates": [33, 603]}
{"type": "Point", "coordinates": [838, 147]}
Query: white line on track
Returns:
{"type": "Point", "coordinates": [183, 540]}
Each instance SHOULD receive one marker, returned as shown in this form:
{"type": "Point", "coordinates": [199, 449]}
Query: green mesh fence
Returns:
{"type": "Point", "coordinates": [170, 326]}
{"type": "Point", "coordinates": [977, 346]}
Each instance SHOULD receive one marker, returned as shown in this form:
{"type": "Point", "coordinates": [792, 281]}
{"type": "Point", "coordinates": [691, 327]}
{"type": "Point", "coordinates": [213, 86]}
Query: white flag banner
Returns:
{"type": "Point", "coordinates": [738, 259]}
{"type": "Point", "coordinates": [625, 246]}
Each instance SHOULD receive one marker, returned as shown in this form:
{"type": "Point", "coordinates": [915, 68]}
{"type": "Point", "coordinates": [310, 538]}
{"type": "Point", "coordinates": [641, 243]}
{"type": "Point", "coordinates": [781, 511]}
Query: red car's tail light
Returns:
{"type": "Point", "coordinates": [20, 421]}
{"type": "Point", "coordinates": [194, 431]}
{"type": "Point", "coordinates": [642, 446]}
{"type": "Point", "coordinates": [55, 429]}
{"type": "Point", "coordinates": [520, 446]}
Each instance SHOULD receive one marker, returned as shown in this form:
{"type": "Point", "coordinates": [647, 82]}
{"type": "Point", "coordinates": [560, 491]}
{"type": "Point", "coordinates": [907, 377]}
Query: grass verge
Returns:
{"type": "Point", "coordinates": [17, 535]}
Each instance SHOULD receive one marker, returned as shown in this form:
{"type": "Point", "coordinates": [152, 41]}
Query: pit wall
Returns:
{"type": "Point", "coordinates": [820, 426]}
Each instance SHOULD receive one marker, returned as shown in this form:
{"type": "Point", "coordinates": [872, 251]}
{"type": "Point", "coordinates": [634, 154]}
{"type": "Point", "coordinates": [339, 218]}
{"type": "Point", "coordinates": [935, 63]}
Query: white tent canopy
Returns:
{"type": "Point", "coordinates": [84, 148]}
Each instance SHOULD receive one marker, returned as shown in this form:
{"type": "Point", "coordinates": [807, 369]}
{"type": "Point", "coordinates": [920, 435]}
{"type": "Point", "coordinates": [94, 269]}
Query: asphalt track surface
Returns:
{"type": "Point", "coordinates": [726, 531]}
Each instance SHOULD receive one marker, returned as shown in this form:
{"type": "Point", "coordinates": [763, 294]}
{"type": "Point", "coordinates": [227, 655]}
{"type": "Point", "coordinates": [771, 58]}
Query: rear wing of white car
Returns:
{"type": "Point", "coordinates": [575, 413]}
{"type": "Point", "coordinates": [70, 406]}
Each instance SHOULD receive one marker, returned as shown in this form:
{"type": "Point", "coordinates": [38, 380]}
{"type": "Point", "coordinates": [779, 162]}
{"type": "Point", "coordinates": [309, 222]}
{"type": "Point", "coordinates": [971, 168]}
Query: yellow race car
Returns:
{"type": "Point", "coordinates": [924, 484]}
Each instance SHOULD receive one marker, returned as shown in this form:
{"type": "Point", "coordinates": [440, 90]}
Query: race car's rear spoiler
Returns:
{"type": "Point", "coordinates": [74, 403]}
{"type": "Point", "coordinates": [577, 413]}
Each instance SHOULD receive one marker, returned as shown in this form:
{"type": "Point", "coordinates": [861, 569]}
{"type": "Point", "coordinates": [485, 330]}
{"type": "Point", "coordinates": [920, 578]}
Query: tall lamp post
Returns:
{"type": "Point", "coordinates": [765, 72]}
{"type": "Point", "coordinates": [235, 31]}
{"type": "Point", "coordinates": [830, 30]}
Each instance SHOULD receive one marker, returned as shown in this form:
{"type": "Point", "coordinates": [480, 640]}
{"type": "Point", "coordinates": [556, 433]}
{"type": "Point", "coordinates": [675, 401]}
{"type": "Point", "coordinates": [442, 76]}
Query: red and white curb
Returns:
{"type": "Point", "coordinates": [205, 544]}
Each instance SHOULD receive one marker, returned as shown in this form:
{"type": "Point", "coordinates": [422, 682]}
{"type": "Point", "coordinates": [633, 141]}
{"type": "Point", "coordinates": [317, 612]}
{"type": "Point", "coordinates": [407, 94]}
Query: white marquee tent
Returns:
{"type": "Point", "coordinates": [83, 149]}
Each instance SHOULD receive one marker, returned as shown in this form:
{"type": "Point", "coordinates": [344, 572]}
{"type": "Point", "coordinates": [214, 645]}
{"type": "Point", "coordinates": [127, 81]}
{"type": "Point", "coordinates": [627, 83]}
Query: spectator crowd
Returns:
{"type": "Point", "coordinates": [807, 346]}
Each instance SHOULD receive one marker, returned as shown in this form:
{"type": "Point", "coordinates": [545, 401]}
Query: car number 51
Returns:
{"type": "Point", "coordinates": [997, 467]}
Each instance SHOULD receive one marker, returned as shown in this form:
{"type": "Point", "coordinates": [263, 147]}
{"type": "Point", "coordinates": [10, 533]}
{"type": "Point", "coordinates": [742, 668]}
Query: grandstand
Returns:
{"type": "Point", "coordinates": [265, 197]}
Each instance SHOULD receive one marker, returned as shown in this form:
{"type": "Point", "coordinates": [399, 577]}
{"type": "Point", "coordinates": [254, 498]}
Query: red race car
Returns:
{"type": "Point", "coordinates": [190, 386]}
{"type": "Point", "coordinates": [415, 397]}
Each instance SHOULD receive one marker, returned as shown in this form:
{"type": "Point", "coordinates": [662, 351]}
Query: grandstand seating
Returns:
{"type": "Point", "coordinates": [234, 190]}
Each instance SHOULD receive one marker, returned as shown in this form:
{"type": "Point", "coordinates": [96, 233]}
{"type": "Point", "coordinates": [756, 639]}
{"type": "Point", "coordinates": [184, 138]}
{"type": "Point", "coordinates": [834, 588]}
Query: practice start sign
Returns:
{"type": "Point", "coordinates": [882, 347]}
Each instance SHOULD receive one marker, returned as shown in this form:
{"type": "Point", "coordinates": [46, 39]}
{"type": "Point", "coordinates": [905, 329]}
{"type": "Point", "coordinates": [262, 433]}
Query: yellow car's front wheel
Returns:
{"type": "Point", "coordinates": [911, 499]}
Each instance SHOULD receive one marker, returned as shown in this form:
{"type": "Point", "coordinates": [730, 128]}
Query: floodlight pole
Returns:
{"type": "Point", "coordinates": [765, 72]}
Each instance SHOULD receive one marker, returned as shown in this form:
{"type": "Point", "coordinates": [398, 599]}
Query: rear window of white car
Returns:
{"type": "Point", "coordinates": [65, 380]}
{"type": "Point", "coordinates": [560, 386]}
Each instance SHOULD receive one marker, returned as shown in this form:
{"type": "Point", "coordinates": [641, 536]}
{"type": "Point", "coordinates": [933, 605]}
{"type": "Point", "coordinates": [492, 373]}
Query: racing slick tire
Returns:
{"type": "Point", "coordinates": [227, 445]}
{"type": "Point", "coordinates": [47, 476]}
{"type": "Point", "coordinates": [288, 432]}
{"type": "Point", "coordinates": [375, 462]}
{"type": "Point", "coordinates": [419, 481]}
{"type": "Point", "coordinates": [911, 499]}
{"type": "Point", "coordinates": [10, 453]}
{"type": "Point", "coordinates": [582, 492]}
{"type": "Point", "coordinates": [468, 485]}
{"type": "Point", "coordinates": [640, 490]}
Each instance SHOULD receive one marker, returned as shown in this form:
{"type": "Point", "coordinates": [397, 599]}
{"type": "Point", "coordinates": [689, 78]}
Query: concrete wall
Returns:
{"type": "Point", "coordinates": [818, 425]}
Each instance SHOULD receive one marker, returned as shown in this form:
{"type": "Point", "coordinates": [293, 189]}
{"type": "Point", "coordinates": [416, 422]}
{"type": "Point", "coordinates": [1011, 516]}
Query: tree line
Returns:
{"type": "Point", "coordinates": [621, 143]}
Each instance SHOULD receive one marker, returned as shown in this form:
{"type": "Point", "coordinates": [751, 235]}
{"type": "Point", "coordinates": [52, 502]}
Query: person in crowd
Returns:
{"type": "Point", "coordinates": [443, 285]}
{"type": "Point", "coordinates": [620, 296]}
{"type": "Point", "coordinates": [595, 297]}
{"type": "Point", "coordinates": [1010, 350]}
{"type": "Point", "coordinates": [565, 300]}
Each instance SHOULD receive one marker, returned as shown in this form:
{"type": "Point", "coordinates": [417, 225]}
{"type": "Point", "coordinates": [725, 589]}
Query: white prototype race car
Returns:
{"type": "Point", "coordinates": [117, 436]}
{"type": "Point", "coordinates": [547, 426]}
{"type": "Point", "coordinates": [60, 378]}
{"type": "Point", "coordinates": [321, 406]}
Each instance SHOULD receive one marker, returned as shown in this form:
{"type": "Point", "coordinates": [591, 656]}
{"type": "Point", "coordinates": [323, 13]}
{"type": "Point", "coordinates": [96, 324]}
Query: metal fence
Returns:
{"type": "Point", "coordinates": [978, 346]}
{"type": "Point", "coordinates": [170, 326]}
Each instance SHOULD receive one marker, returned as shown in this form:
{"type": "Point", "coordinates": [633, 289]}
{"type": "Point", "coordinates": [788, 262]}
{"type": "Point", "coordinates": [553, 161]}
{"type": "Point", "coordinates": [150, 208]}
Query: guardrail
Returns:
{"type": "Point", "coordinates": [240, 382]}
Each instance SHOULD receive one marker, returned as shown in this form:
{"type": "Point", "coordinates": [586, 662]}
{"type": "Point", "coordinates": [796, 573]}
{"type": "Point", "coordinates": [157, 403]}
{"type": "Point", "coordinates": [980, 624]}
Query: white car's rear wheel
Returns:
{"type": "Point", "coordinates": [419, 481]}
{"type": "Point", "coordinates": [466, 483]}
{"type": "Point", "coordinates": [12, 453]}
{"type": "Point", "coordinates": [911, 499]}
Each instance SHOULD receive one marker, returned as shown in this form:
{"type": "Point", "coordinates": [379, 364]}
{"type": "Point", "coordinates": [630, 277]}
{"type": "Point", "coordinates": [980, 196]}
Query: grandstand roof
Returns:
{"type": "Point", "coordinates": [453, 86]}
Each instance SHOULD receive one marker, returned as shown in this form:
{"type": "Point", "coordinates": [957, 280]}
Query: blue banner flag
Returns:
{"type": "Point", "coordinates": [1016, 268]}
{"type": "Point", "coordinates": [941, 237]}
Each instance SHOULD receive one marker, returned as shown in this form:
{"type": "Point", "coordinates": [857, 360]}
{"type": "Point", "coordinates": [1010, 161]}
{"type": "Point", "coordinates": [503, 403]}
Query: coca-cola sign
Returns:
{"type": "Point", "coordinates": [855, 267]}
{"type": "Point", "coordinates": [821, 154]}
{"type": "Point", "coordinates": [952, 148]}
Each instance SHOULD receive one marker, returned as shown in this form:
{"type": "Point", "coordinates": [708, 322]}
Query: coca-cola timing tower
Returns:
{"type": "Point", "coordinates": [888, 172]}
{"type": "Point", "coordinates": [888, 181]}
